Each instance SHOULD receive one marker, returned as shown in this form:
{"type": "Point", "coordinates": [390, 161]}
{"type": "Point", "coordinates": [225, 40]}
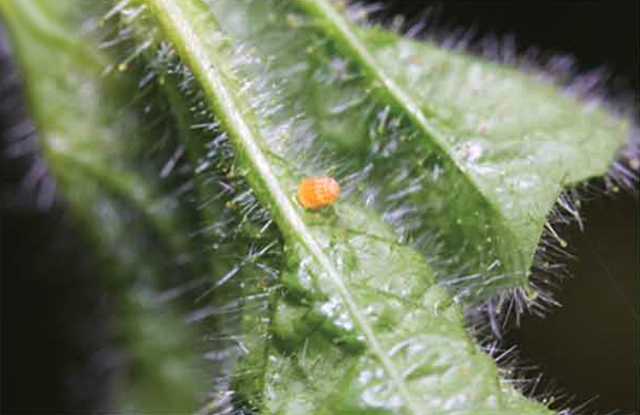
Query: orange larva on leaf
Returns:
{"type": "Point", "coordinates": [316, 192]}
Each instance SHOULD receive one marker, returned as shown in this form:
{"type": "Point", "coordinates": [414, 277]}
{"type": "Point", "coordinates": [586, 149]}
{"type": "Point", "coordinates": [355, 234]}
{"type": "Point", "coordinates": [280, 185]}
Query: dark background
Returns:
{"type": "Point", "coordinates": [589, 348]}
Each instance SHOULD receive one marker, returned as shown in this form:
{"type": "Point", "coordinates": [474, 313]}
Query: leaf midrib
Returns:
{"type": "Point", "coordinates": [342, 33]}
{"type": "Point", "coordinates": [207, 67]}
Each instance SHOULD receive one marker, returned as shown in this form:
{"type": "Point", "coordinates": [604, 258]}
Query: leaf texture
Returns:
{"type": "Point", "coordinates": [449, 166]}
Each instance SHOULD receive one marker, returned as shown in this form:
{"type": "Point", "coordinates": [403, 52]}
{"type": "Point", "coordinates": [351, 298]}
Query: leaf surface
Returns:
{"type": "Point", "coordinates": [447, 176]}
{"type": "Point", "coordinates": [455, 151]}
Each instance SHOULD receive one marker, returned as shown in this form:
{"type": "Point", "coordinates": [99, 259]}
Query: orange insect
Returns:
{"type": "Point", "coordinates": [316, 192]}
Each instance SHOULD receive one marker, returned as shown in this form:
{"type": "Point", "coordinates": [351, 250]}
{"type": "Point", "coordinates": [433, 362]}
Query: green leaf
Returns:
{"type": "Point", "coordinates": [91, 136]}
{"type": "Point", "coordinates": [447, 178]}
{"type": "Point", "coordinates": [445, 145]}
{"type": "Point", "coordinates": [337, 289]}
{"type": "Point", "coordinates": [342, 314]}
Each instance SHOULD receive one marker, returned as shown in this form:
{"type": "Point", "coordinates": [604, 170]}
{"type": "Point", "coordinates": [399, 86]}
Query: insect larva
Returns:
{"type": "Point", "coordinates": [316, 192]}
